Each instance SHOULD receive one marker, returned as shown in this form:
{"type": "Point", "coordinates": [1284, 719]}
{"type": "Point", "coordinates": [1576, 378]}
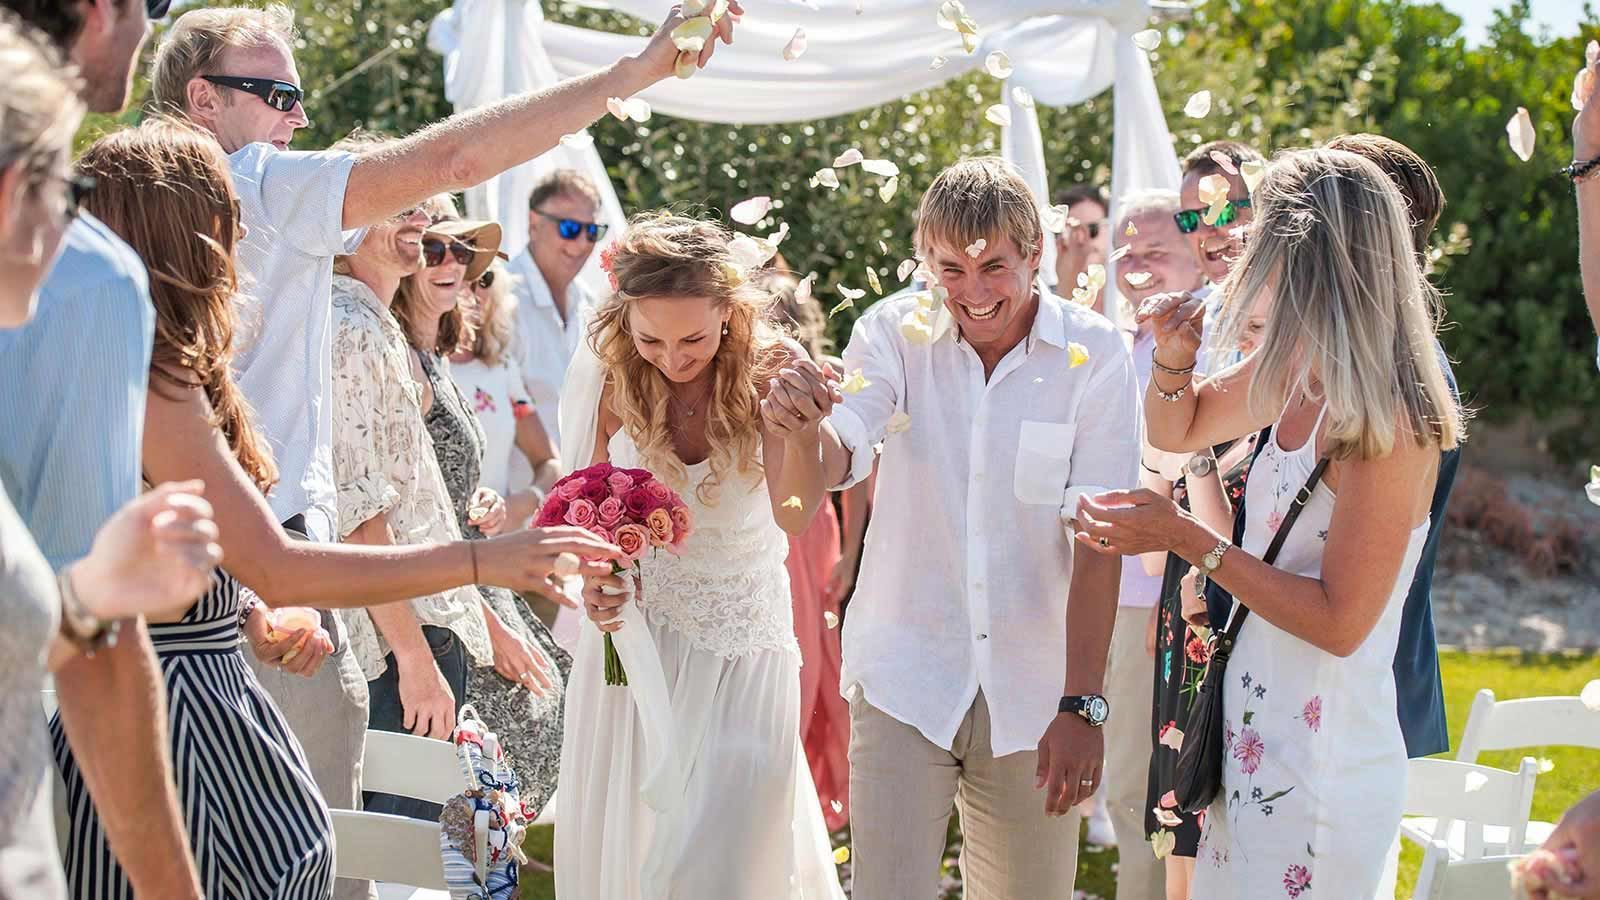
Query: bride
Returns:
{"type": "Point", "coordinates": [691, 782]}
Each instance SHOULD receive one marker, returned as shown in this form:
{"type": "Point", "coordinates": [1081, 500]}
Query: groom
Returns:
{"type": "Point", "coordinates": [975, 648]}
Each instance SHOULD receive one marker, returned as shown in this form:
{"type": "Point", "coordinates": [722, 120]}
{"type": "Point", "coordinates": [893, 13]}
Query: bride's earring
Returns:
{"type": "Point", "coordinates": [724, 329]}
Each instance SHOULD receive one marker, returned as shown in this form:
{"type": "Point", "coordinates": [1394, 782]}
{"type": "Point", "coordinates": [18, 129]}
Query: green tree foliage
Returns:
{"type": "Point", "coordinates": [1283, 73]}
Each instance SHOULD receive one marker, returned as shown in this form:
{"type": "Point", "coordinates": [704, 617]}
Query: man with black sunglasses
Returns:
{"type": "Point", "coordinates": [70, 457]}
{"type": "Point", "coordinates": [552, 305]}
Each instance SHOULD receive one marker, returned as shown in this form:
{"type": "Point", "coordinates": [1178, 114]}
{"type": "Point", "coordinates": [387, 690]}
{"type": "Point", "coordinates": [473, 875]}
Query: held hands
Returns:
{"type": "Point", "coordinates": [156, 553]}
{"type": "Point", "coordinates": [1179, 320]}
{"type": "Point", "coordinates": [800, 397]}
{"type": "Point", "coordinates": [603, 597]}
{"type": "Point", "coordinates": [487, 511]}
{"type": "Point", "coordinates": [1071, 756]}
{"type": "Point", "coordinates": [661, 54]}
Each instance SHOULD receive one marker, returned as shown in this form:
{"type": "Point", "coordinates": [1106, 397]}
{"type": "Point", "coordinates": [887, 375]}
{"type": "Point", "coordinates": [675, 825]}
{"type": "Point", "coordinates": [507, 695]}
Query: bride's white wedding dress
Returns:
{"type": "Point", "coordinates": [691, 781]}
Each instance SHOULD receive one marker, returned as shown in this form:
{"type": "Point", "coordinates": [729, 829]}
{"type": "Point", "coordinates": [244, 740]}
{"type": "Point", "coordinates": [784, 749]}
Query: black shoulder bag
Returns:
{"type": "Point", "coordinates": [1199, 773]}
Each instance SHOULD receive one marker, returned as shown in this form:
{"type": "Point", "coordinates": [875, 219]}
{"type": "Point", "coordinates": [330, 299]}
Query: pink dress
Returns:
{"type": "Point", "coordinates": [824, 718]}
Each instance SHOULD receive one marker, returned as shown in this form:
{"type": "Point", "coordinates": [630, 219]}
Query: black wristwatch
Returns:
{"type": "Point", "coordinates": [1093, 707]}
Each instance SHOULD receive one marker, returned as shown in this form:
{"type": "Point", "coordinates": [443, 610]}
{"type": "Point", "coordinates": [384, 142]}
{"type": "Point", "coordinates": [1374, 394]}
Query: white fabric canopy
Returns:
{"type": "Point", "coordinates": [1063, 52]}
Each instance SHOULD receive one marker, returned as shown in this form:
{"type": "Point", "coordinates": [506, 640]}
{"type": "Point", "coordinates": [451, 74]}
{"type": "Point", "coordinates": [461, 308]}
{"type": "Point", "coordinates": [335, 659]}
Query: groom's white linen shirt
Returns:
{"type": "Point", "coordinates": [964, 580]}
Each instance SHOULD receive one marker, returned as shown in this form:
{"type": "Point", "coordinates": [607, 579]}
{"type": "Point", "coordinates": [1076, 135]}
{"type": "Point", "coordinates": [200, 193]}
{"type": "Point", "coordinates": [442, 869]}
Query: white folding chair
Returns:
{"type": "Point", "coordinates": [1483, 809]}
{"type": "Point", "coordinates": [399, 853]}
{"type": "Point", "coordinates": [1445, 878]}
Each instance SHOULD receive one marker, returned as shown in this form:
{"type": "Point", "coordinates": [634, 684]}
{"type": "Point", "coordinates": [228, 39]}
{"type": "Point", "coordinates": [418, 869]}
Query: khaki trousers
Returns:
{"type": "Point", "coordinates": [902, 788]}
{"type": "Point", "coordinates": [1130, 675]}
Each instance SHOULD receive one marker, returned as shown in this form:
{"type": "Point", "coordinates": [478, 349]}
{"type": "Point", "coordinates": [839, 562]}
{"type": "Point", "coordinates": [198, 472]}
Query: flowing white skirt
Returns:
{"type": "Point", "coordinates": [691, 781]}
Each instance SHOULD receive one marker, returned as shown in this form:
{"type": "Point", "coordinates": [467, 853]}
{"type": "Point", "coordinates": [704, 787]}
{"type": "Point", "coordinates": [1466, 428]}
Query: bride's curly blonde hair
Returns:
{"type": "Point", "coordinates": [665, 255]}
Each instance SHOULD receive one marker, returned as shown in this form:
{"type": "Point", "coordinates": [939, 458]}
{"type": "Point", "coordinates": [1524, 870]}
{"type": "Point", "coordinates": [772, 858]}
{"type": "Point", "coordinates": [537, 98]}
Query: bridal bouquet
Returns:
{"type": "Point", "coordinates": [630, 508]}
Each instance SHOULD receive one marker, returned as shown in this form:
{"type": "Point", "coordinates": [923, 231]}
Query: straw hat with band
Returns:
{"type": "Point", "coordinates": [482, 238]}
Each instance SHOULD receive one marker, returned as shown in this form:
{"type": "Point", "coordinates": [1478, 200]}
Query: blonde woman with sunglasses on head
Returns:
{"type": "Point", "coordinates": [1346, 374]}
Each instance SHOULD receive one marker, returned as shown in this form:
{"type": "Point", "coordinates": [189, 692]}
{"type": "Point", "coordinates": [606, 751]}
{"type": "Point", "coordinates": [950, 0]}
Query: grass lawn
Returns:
{"type": "Point", "coordinates": [1576, 771]}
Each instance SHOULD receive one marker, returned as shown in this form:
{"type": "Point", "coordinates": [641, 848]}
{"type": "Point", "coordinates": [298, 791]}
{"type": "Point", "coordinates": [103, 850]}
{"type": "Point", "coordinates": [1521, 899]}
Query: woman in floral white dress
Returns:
{"type": "Point", "coordinates": [1314, 775]}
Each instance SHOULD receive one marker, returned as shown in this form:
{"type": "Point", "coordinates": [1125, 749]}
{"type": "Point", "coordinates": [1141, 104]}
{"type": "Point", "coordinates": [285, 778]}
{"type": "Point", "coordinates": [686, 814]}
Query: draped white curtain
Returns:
{"type": "Point", "coordinates": [1063, 52]}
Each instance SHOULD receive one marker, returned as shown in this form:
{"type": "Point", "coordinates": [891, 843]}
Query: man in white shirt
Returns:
{"type": "Point", "coordinates": [1157, 261]}
{"type": "Point", "coordinates": [975, 647]}
{"type": "Point", "coordinates": [553, 306]}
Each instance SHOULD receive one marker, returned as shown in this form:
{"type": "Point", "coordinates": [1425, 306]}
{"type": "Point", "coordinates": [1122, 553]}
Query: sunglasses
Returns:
{"type": "Point", "coordinates": [569, 229]}
{"type": "Point", "coordinates": [1190, 219]}
{"type": "Point", "coordinates": [157, 8]}
{"type": "Point", "coordinates": [280, 95]}
{"type": "Point", "coordinates": [434, 252]}
{"type": "Point", "coordinates": [486, 280]}
{"type": "Point", "coordinates": [1094, 229]}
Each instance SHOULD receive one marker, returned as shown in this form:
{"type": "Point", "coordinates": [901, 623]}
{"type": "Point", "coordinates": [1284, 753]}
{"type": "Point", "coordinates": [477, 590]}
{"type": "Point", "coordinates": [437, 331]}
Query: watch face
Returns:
{"type": "Point", "coordinates": [1098, 709]}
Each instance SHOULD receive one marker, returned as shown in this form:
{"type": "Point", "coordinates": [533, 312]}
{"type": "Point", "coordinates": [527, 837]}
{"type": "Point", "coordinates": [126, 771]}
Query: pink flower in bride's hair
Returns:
{"type": "Point", "coordinates": [610, 511]}
{"type": "Point", "coordinates": [659, 521]}
{"type": "Point", "coordinates": [638, 502]}
{"type": "Point", "coordinates": [1249, 750]}
{"type": "Point", "coordinates": [620, 483]}
{"type": "Point", "coordinates": [661, 496]}
{"type": "Point", "coordinates": [570, 488]}
{"type": "Point", "coordinates": [554, 511]}
{"type": "Point", "coordinates": [581, 513]}
{"type": "Point", "coordinates": [633, 540]}
{"type": "Point", "coordinates": [608, 262]}
{"type": "Point", "coordinates": [595, 489]}
{"type": "Point", "coordinates": [682, 524]}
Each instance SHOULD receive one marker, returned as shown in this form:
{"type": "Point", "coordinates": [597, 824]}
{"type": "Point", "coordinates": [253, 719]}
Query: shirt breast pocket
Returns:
{"type": "Point", "coordinates": [1044, 462]}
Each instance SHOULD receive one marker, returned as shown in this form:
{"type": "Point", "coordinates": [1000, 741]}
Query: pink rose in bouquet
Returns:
{"type": "Point", "coordinates": [631, 508]}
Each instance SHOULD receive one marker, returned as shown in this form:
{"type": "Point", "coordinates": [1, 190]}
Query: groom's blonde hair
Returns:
{"type": "Point", "coordinates": [983, 197]}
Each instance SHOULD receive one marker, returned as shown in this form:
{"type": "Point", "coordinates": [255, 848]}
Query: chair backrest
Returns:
{"type": "Point", "coordinates": [1475, 795]}
{"type": "Point", "coordinates": [380, 847]}
{"type": "Point", "coordinates": [1533, 722]}
{"type": "Point", "coordinates": [409, 766]}
{"type": "Point", "coordinates": [48, 698]}
{"type": "Point", "coordinates": [1485, 878]}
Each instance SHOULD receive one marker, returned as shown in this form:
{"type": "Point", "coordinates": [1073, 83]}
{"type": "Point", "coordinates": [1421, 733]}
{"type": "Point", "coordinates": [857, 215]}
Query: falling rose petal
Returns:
{"type": "Point", "coordinates": [873, 282]}
{"type": "Point", "coordinates": [1169, 800]}
{"type": "Point", "coordinates": [1520, 133]}
{"type": "Point", "coordinates": [1023, 96]}
{"type": "Point", "coordinates": [1252, 171]}
{"type": "Point", "coordinates": [886, 191]}
{"type": "Point", "coordinates": [1077, 355]}
{"type": "Point", "coordinates": [1122, 251]}
{"type": "Point", "coordinates": [849, 293]}
{"type": "Point", "coordinates": [695, 7]}
{"type": "Point", "coordinates": [1166, 817]}
{"type": "Point", "coordinates": [899, 423]}
{"type": "Point", "coordinates": [1173, 738]}
{"type": "Point", "coordinates": [637, 108]}
{"type": "Point", "coordinates": [848, 158]}
{"type": "Point", "coordinates": [1223, 160]}
{"type": "Point", "coordinates": [880, 167]}
{"type": "Point", "coordinates": [796, 47]}
{"type": "Point", "coordinates": [1163, 842]}
{"type": "Point", "coordinates": [841, 855]}
{"type": "Point", "coordinates": [750, 253]}
{"type": "Point", "coordinates": [688, 62]}
{"type": "Point", "coordinates": [841, 307]}
{"type": "Point", "coordinates": [828, 178]}
{"type": "Point", "coordinates": [614, 106]}
{"type": "Point", "coordinates": [1054, 219]}
{"type": "Point", "coordinates": [951, 12]}
{"type": "Point", "coordinates": [883, 247]}
{"type": "Point", "coordinates": [975, 249]}
{"type": "Point", "coordinates": [1199, 105]}
{"type": "Point", "coordinates": [1546, 765]}
{"type": "Point", "coordinates": [1582, 88]}
{"type": "Point", "coordinates": [1591, 52]}
{"type": "Point", "coordinates": [802, 291]}
{"type": "Point", "coordinates": [1591, 695]}
{"type": "Point", "coordinates": [1147, 40]}
{"type": "Point", "coordinates": [1213, 188]}
{"type": "Point", "coordinates": [777, 237]}
{"type": "Point", "coordinates": [935, 297]}
{"type": "Point", "coordinates": [793, 503]}
{"type": "Point", "coordinates": [937, 63]}
{"type": "Point", "coordinates": [999, 114]}
{"type": "Point", "coordinates": [749, 212]}
{"type": "Point", "coordinates": [836, 806]}
{"type": "Point", "coordinates": [904, 270]}
{"type": "Point", "coordinates": [1213, 213]}
{"type": "Point", "coordinates": [1137, 279]}
{"type": "Point", "coordinates": [1130, 231]}
{"type": "Point", "coordinates": [1476, 781]}
{"type": "Point", "coordinates": [855, 383]}
{"type": "Point", "coordinates": [830, 618]}
{"type": "Point", "coordinates": [999, 65]}
{"type": "Point", "coordinates": [692, 34]}
{"type": "Point", "coordinates": [916, 326]}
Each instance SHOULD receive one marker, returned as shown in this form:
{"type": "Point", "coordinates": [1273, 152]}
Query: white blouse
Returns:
{"type": "Point", "coordinates": [493, 394]}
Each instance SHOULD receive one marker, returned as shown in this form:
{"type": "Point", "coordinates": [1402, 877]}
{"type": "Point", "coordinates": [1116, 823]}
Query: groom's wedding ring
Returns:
{"type": "Point", "coordinates": [1104, 543]}
{"type": "Point", "coordinates": [1086, 781]}
{"type": "Point", "coordinates": [566, 564]}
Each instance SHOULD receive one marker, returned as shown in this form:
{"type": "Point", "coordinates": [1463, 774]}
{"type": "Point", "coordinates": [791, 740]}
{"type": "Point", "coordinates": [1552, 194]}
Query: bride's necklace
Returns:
{"type": "Point", "coordinates": [690, 410]}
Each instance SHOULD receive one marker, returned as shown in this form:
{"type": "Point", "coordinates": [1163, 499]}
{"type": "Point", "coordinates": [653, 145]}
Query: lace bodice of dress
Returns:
{"type": "Point", "coordinates": [728, 591]}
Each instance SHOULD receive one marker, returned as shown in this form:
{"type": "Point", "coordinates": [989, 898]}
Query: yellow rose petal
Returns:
{"type": "Point", "coordinates": [841, 855]}
{"type": "Point", "coordinates": [692, 34]}
{"type": "Point", "coordinates": [1131, 231]}
{"type": "Point", "coordinates": [887, 190]}
{"type": "Point", "coordinates": [830, 618]}
{"type": "Point", "coordinates": [793, 503]}
{"type": "Point", "coordinates": [1252, 171]}
{"type": "Point", "coordinates": [843, 305]}
{"type": "Point", "coordinates": [880, 167]}
{"type": "Point", "coordinates": [899, 423]}
{"type": "Point", "coordinates": [1213, 188]}
{"type": "Point", "coordinates": [855, 383]}
{"type": "Point", "coordinates": [688, 62]}
{"type": "Point", "coordinates": [874, 283]}
{"type": "Point", "coordinates": [1077, 355]}
{"type": "Point", "coordinates": [1054, 219]}
{"type": "Point", "coordinates": [1163, 842]}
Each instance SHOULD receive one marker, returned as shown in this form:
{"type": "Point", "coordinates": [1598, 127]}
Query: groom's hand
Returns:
{"type": "Point", "coordinates": [1071, 755]}
{"type": "Point", "coordinates": [800, 397]}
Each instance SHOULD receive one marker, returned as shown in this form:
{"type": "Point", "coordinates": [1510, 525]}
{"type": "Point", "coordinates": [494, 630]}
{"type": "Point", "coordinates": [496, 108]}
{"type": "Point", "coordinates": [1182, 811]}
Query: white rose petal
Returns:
{"type": "Point", "coordinates": [905, 269]}
{"type": "Point", "coordinates": [796, 47]}
{"type": "Point", "coordinates": [1519, 131]}
{"type": "Point", "coordinates": [1054, 219]}
{"type": "Point", "coordinates": [828, 178]}
{"type": "Point", "coordinates": [999, 115]}
{"type": "Point", "coordinates": [880, 167]}
{"type": "Point", "coordinates": [1591, 695]}
{"type": "Point", "coordinates": [998, 64]}
{"type": "Point", "coordinates": [975, 250]}
{"type": "Point", "coordinates": [1023, 97]}
{"type": "Point", "coordinates": [1147, 40]}
{"type": "Point", "coordinates": [1475, 782]}
{"type": "Point", "coordinates": [937, 63]}
{"type": "Point", "coordinates": [749, 212]}
{"type": "Point", "coordinates": [848, 158]}
{"type": "Point", "coordinates": [1199, 105]}
{"type": "Point", "coordinates": [887, 190]}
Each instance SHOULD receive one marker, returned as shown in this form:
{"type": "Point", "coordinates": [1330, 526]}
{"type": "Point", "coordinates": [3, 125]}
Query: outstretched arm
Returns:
{"type": "Point", "coordinates": [474, 146]}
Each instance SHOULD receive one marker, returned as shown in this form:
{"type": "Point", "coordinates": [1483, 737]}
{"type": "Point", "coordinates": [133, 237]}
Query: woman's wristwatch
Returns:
{"type": "Point", "coordinates": [1200, 465]}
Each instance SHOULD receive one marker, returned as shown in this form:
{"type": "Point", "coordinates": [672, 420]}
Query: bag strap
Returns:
{"type": "Point", "coordinates": [1241, 611]}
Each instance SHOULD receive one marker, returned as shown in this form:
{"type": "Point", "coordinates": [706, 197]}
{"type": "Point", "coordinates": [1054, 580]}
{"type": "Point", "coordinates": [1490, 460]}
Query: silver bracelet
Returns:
{"type": "Point", "coordinates": [1174, 396]}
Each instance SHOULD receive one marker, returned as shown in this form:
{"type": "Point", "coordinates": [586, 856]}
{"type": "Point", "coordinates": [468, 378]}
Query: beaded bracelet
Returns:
{"type": "Point", "coordinates": [1578, 171]}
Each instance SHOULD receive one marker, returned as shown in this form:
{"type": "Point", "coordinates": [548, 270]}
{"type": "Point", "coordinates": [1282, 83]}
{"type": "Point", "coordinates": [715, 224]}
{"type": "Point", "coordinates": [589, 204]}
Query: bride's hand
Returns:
{"type": "Point", "coordinates": [603, 597]}
{"type": "Point", "coordinates": [800, 397]}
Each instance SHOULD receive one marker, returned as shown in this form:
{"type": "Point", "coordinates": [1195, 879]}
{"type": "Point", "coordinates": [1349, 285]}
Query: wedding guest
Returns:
{"type": "Point", "coordinates": [1156, 260]}
{"type": "Point", "coordinates": [814, 560]}
{"type": "Point", "coordinates": [526, 716]}
{"type": "Point", "coordinates": [1085, 240]}
{"type": "Point", "coordinates": [1007, 403]}
{"type": "Point", "coordinates": [552, 306]}
{"type": "Point", "coordinates": [1217, 244]}
{"type": "Point", "coordinates": [231, 70]}
{"type": "Point", "coordinates": [1331, 253]}
{"type": "Point", "coordinates": [487, 376]}
{"type": "Point", "coordinates": [67, 474]}
{"type": "Point", "coordinates": [157, 549]}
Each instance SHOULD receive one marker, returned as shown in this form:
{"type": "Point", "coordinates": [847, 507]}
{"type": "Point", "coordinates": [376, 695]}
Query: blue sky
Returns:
{"type": "Point", "coordinates": [1561, 16]}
